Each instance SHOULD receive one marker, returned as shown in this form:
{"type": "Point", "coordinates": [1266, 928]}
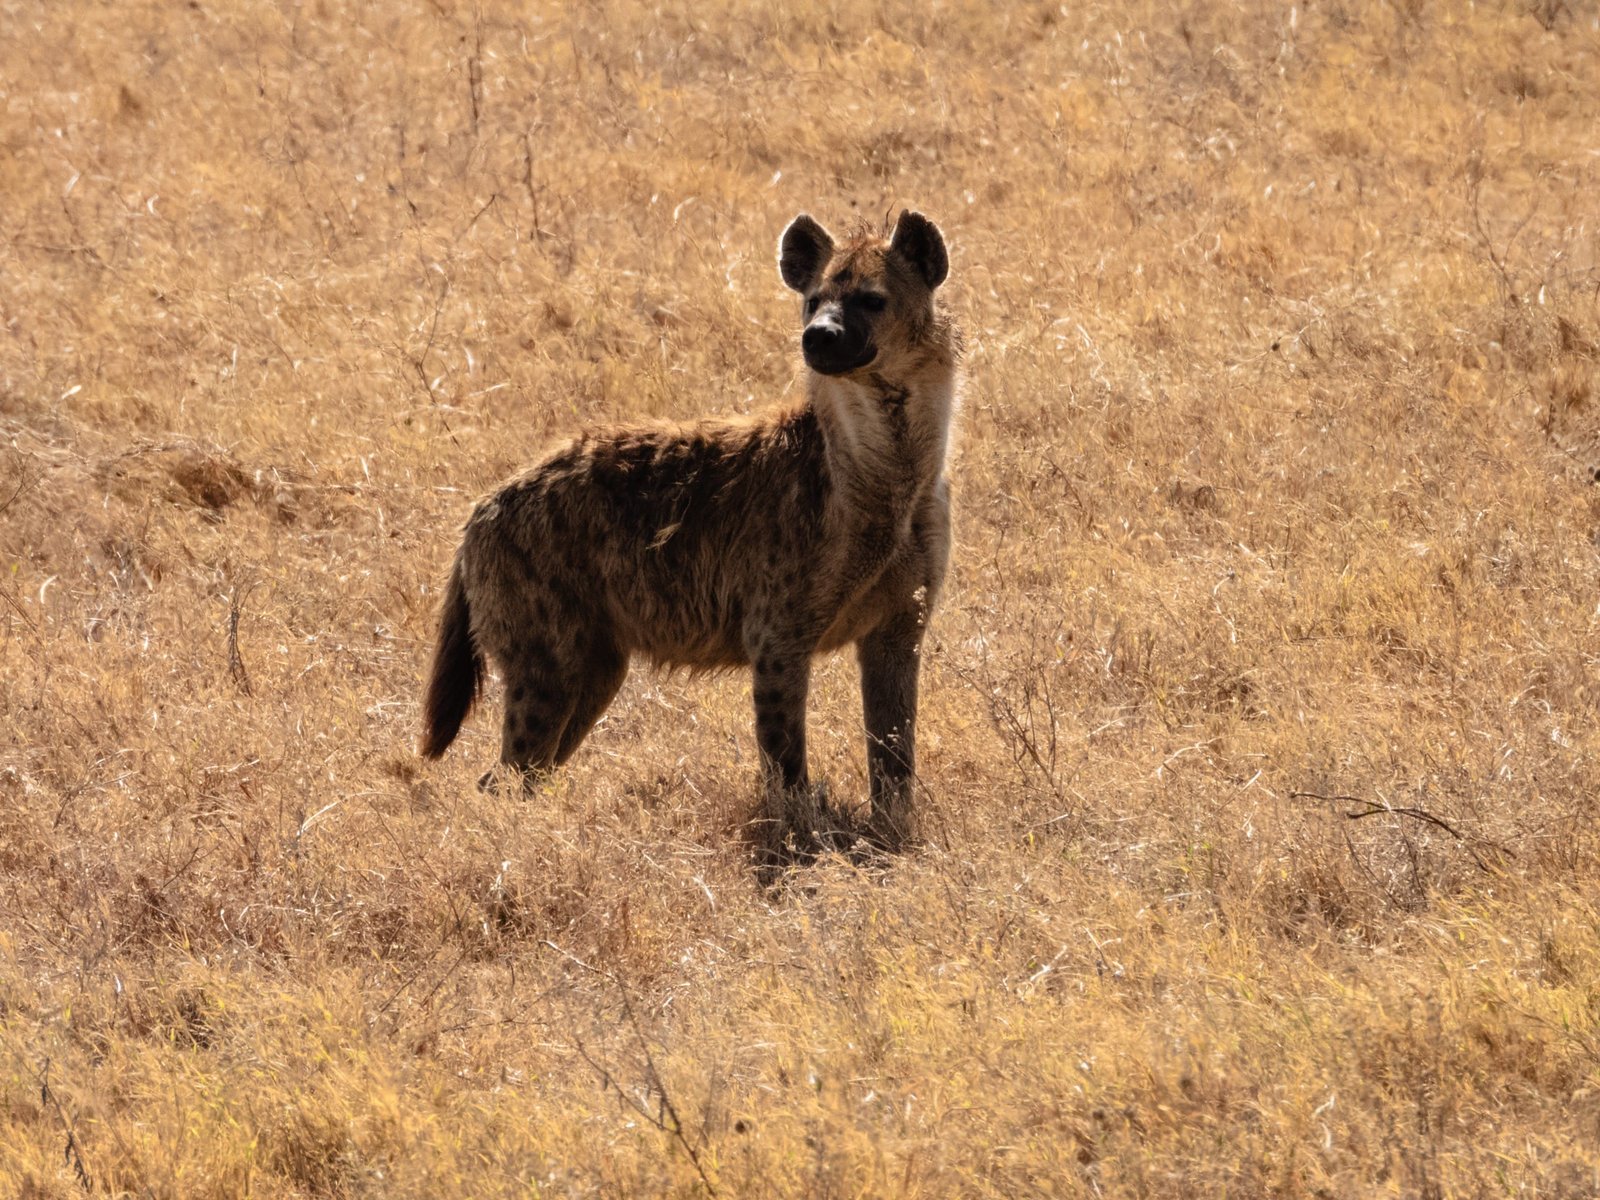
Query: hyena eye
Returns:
{"type": "Point", "coordinates": [872, 302]}
{"type": "Point", "coordinates": [811, 304]}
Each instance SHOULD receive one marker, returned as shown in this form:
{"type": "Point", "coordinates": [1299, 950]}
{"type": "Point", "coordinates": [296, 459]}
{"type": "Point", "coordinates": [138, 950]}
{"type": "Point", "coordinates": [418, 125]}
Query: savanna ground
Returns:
{"type": "Point", "coordinates": [1259, 750]}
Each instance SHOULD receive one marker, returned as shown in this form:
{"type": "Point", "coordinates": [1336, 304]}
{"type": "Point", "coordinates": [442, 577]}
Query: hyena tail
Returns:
{"type": "Point", "coordinates": [457, 674]}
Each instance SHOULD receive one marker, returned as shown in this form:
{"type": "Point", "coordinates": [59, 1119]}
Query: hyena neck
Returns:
{"type": "Point", "coordinates": [889, 432]}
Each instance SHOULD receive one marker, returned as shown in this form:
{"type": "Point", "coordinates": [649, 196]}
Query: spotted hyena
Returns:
{"type": "Point", "coordinates": [759, 542]}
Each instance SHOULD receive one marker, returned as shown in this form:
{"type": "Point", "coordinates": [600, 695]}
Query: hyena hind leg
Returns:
{"type": "Point", "coordinates": [598, 680]}
{"type": "Point", "coordinates": [540, 699]}
{"type": "Point", "coordinates": [552, 704]}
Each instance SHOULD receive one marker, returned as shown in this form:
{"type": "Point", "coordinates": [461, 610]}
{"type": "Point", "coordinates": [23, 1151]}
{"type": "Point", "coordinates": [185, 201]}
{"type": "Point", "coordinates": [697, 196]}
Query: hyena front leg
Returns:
{"type": "Point", "coordinates": [890, 657]}
{"type": "Point", "coordinates": [782, 681]}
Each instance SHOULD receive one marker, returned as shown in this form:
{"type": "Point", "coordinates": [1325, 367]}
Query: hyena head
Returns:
{"type": "Point", "coordinates": [869, 302]}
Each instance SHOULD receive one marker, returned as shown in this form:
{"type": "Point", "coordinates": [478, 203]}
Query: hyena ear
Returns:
{"type": "Point", "coordinates": [803, 253]}
{"type": "Point", "coordinates": [918, 241]}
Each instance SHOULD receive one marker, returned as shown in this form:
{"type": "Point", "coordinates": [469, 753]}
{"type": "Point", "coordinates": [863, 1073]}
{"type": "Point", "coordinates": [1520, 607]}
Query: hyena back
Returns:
{"type": "Point", "coordinates": [760, 542]}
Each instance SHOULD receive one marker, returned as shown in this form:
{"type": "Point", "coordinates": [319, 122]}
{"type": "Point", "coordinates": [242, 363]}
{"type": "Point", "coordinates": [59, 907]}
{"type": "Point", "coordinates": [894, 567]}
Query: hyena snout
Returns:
{"type": "Point", "coordinates": [834, 344]}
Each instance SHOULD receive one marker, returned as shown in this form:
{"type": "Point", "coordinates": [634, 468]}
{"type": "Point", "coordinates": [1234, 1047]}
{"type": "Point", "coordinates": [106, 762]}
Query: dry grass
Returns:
{"type": "Point", "coordinates": [1276, 478]}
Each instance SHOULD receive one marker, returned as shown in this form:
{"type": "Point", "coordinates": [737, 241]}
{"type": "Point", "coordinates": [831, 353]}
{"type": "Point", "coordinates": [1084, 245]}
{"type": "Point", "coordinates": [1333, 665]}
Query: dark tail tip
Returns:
{"type": "Point", "coordinates": [457, 674]}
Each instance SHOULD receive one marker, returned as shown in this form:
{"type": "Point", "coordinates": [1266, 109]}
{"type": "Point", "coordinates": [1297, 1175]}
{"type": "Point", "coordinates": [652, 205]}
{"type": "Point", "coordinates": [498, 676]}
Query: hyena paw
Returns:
{"type": "Point", "coordinates": [790, 823]}
{"type": "Point", "coordinates": [892, 827]}
{"type": "Point", "coordinates": [507, 780]}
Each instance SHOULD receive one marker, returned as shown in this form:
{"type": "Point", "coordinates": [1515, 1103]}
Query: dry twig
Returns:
{"type": "Point", "coordinates": [1374, 807]}
{"type": "Point", "coordinates": [666, 1118]}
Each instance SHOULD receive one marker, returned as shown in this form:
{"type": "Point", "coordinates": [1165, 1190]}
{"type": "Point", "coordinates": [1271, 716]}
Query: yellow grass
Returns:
{"type": "Point", "coordinates": [1275, 478]}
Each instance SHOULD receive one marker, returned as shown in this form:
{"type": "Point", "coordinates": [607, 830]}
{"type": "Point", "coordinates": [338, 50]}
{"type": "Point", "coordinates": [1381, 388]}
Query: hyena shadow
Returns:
{"type": "Point", "coordinates": [759, 542]}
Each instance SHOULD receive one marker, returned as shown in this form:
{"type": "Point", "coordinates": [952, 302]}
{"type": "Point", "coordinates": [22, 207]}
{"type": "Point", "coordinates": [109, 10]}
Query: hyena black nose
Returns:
{"type": "Point", "coordinates": [833, 344]}
{"type": "Point", "coordinates": [822, 335]}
